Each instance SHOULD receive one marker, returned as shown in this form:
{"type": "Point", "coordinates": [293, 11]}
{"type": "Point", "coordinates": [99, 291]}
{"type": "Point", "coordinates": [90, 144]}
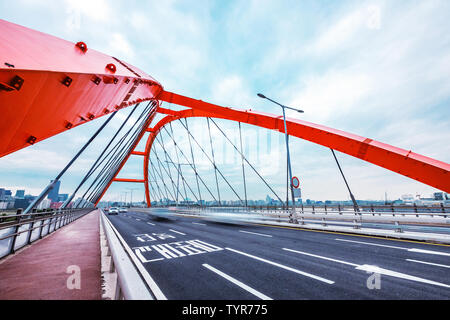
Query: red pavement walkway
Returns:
{"type": "Point", "coordinates": [40, 272]}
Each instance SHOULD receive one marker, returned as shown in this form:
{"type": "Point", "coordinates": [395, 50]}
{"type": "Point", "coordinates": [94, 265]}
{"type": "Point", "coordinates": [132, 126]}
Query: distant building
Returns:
{"type": "Point", "coordinates": [20, 194]}
{"type": "Point", "coordinates": [5, 195]}
{"type": "Point", "coordinates": [54, 193]}
{"type": "Point", "coordinates": [62, 197]}
{"type": "Point", "coordinates": [21, 203]}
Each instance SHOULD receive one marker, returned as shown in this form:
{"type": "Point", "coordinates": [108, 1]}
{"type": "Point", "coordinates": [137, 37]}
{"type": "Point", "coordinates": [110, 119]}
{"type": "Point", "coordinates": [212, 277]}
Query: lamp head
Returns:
{"type": "Point", "coordinates": [261, 95]}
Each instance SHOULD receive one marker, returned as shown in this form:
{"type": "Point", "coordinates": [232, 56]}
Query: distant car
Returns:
{"type": "Point", "coordinates": [106, 209]}
{"type": "Point", "coordinates": [113, 211]}
{"type": "Point", "coordinates": [123, 210]}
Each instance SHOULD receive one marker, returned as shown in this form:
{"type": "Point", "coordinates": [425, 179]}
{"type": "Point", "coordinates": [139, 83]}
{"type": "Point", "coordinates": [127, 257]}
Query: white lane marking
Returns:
{"type": "Point", "coordinates": [259, 234]}
{"type": "Point", "coordinates": [401, 248]}
{"type": "Point", "coordinates": [152, 224]}
{"type": "Point", "coordinates": [370, 244]}
{"type": "Point", "coordinates": [238, 283]}
{"type": "Point", "coordinates": [183, 234]}
{"type": "Point", "coordinates": [147, 277]}
{"type": "Point", "coordinates": [321, 257]}
{"type": "Point", "coordinates": [283, 266]}
{"type": "Point", "coordinates": [375, 269]}
{"type": "Point", "coordinates": [432, 264]}
{"type": "Point", "coordinates": [201, 224]}
{"type": "Point", "coordinates": [429, 252]}
{"type": "Point", "coordinates": [138, 219]}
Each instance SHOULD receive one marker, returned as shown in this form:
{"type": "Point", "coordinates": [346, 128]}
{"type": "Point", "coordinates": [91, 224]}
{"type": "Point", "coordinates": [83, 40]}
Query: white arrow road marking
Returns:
{"type": "Point", "coordinates": [283, 266]}
{"type": "Point", "coordinates": [376, 269]}
{"type": "Point", "coordinates": [238, 283]}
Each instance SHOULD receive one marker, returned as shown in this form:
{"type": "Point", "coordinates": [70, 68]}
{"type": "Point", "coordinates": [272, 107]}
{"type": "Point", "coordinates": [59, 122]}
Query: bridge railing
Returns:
{"type": "Point", "coordinates": [128, 283]}
{"type": "Point", "coordinates": [338, 216]}
{"type": "Point", "coordinates": [18, 230]}
{"type": "Point", "coordinates": [326, 208]}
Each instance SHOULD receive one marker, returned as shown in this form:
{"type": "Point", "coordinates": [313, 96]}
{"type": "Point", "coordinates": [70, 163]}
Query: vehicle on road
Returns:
{"type": "Point", "coordinates": [123, 210]}
{"type": "Point", "coordinates": [113, 211]}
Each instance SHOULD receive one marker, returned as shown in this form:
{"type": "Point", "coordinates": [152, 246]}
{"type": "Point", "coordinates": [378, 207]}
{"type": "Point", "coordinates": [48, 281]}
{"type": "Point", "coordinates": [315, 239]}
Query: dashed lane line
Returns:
{"type": "Point", "coordinates": [259, 234]}
{"type": "Point", "coordinates": [306, 274]}
{"type": "Point", "coordinates": [238, 283]}
{"type": "Point", "coordinates": [395, 247]}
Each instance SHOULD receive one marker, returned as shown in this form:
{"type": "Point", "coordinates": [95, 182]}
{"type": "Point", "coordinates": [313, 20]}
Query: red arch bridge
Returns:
{"type": "Point", "coordinates": [49, 85]}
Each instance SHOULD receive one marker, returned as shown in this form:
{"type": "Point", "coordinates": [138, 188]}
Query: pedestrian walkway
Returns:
{"type": "Point", "coordinates": [65, 265]}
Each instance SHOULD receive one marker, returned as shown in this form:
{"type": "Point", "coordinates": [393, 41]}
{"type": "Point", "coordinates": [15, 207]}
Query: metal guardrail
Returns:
{"type": "Point", "coordinates": [18, 230]}
{"type": "Point", "coordinates": [129, 282]}
{"type": "Point", "coordinates": [324, 216]}
{"type": "Point", "coordinates": [326, 208]}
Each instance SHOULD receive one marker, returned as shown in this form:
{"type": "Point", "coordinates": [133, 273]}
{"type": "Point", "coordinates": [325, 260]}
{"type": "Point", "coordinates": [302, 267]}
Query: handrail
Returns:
{"type": "Point", "coordinates": [129, 284]}
{"type": "Point", "coordinates": [10, 231]}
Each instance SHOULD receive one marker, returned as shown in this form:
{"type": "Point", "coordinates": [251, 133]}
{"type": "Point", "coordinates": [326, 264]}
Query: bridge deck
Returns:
{"type": "Point", "coordinates": [40, 271]}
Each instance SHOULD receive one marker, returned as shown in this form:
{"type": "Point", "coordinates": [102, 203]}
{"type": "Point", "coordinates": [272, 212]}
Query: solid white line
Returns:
{"type": "Point", "coordinates": [138, 219]}
{"type": "Point", "coordinates": [429, 252]}
{"type": "Point", "coordinates": [283, 266]}
{"type": "Point", "coordinates": [375, 269]}
{"type": "Point", "coordinates": [183, 234]}
{"type": "Point", "coordinates": [238, 283]}
{"type": "Point", "coordinates": [402, 248]}
{"type": "Point", "coordinates": [259, 234]}
{"type": "Point", "coordinates": [320, 257]}
{"type": "Point", "coordinates": [152, 224]}
{"type": "Point", "coordinates": [432, 264]}
{"type": "Point", "coordinates": [201, 224]}
{"type": "Point", "coordinates": [371, 244]}
{"type": "Point", "coordinates": [147, 277]}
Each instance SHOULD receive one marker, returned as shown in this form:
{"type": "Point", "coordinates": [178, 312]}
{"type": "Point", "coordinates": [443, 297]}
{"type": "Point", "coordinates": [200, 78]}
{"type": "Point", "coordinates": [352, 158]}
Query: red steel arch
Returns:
{"type": "Point", "coordinates": [49, 85]}
{"type": "Point", "coordinates": [407, 163]}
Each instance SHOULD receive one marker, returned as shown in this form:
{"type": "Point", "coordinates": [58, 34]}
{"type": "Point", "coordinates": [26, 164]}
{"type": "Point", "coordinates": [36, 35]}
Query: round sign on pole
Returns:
{"type": "Point", "coordinates": [295, 182]}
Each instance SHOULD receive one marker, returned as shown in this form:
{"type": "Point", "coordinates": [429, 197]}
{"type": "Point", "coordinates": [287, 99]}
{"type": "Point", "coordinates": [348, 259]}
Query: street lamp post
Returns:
{"type": "Point", "coordinates": [178, 177]}
{"type": "Point", "coordinates": [131, 195]}
{"type": "Point", "coordinates": [287, 149]}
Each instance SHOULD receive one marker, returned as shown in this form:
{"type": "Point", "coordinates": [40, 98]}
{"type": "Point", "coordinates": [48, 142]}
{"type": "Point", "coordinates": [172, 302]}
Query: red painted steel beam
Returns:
{"type": "Point", "coordinates": [128, 180]}
{"type": "Point", "coordinates": [49, 85]}
{"type": "Point", "coordinates": [407, 163]}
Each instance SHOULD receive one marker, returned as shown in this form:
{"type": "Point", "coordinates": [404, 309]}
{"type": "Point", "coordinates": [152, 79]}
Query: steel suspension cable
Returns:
{"type": "Point", "coordinates": [242, 160]}
{"type": "Point", "coordinates": [243, 156]}
{"type": "Point", "coordinates": [193, 162]}
{"type": "Point", "coordinates": [94, 166]}
{"type": "Point", "coordinates": [176, 167]}
{"type": "Point", "coordinates": [117, 157]}
{"type": "Point", "coordinates": [195, 169]}
{"type": "Point", "coordinates": [204, 152]}
{"type": "Point", "coordinates": [213, 160]}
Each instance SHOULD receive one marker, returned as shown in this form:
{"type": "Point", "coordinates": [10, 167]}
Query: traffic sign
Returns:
{"type": "Point", "coordinates": [295, 182]}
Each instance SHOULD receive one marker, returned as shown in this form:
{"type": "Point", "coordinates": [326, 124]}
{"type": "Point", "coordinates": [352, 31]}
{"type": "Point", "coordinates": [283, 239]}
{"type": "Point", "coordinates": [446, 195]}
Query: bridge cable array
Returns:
{"type": "Point", "coordinates": [159, 173]}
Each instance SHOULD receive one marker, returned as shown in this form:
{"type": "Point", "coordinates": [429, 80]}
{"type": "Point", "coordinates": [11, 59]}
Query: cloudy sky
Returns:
{"type": "Point", "coordinates": [379, 69]}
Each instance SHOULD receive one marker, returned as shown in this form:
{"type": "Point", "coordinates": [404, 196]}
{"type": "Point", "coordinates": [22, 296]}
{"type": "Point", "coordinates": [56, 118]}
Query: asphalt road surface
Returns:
{"type": "Point", "coordinates": [190, 258]}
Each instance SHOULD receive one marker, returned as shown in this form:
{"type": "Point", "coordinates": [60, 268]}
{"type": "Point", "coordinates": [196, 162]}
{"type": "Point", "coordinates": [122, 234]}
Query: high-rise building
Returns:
{"type": "Point", "coordinates": [20, 194]}
{"type": "Point", "coordinates": [53, 194]}
{"type": "Point", "coordinates": [62, 197]}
